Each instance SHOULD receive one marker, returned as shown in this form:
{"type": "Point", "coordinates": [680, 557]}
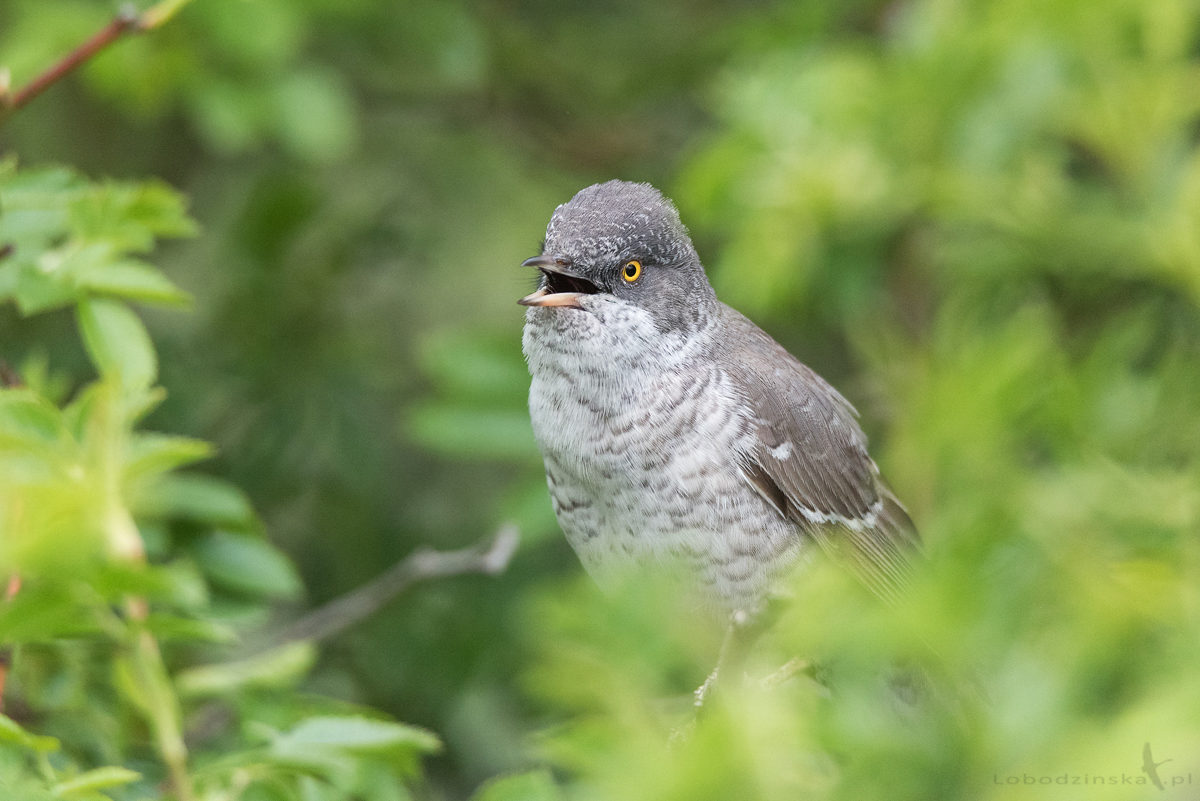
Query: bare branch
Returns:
{"type": "Point", "coordinates": [488, 557]}
{"type": "Point", "coordinates": [796, 666]}
{"type": "Point", "coordinates": [127, 21]}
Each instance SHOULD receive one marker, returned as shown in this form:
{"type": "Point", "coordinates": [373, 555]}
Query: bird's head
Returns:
{"type": "Point", "coordinates": [620, 246]}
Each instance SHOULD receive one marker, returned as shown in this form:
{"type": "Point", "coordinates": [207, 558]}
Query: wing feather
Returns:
{"type": "Point", "coordinates": [809, 460]}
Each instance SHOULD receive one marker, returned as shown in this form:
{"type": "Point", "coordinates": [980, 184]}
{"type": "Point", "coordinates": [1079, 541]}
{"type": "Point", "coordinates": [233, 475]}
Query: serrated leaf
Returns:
{"type": "Point", "coordinates": [117, 342]}
{"type": "Point", "coordinates": [129, 215]}
{"type": "Point", "coordinates": [132, 280]}
{"type": "Point", "coordinates": [71, 237]}
{"type": "Point", "coordinates": [536, 785]}
{"type": "Point", "coordinates": [248, 565]}
{"type": "Point", "coordinates": [87, 783]}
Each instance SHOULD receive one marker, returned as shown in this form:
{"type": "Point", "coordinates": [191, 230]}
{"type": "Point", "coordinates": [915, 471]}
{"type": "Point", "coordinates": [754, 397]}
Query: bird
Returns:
{"type": "Point", "coordinates": [675, 430]}
{"type": "Point", "coordinates": [1150, 767]}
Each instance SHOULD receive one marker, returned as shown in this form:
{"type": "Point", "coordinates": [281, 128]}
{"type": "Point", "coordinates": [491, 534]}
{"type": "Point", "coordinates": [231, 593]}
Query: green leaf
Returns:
{"type": "Point", "coordinates": [150, 454]}
{"type": "Point", "coordinates": [228, 115]}
{"type": "Point", "coordinates": [40, 287]}
{"type": "Point", "coordinates": [279, 667]}
{"type": "Point", "coordinates": [117, 342]}
{"type": "Point", "coordinates": [202, 499]}
{"type": "Point", "coordinates": [11, 732]}
{"type": "Point", "coordinates": [316, 737]}
{"type": "Point", "coordinates": [129, 215]}
{"type": "Point", "coordinates": [40, 613]}
{"type": "Point", "coordinates": [248, 565]}
{"type": "Point", "coordinates": [26, 418]}
{"type": "Point", "coordinates": [132, 280]}
{"type": "Point", "coordinates": [33, 204]}
{"type": "Point", "coordinates": [177, 583]}
{"type": "Point", "coordinates": [317, 120]}
{"type": "Point", "coordinates": [192, 630]}
{"type": "Point", "coordinates": [71, 237]}
{"type": "Point", "coordinates": [90, 781]}
{"type": "Point", "coordinates": [536, 785]}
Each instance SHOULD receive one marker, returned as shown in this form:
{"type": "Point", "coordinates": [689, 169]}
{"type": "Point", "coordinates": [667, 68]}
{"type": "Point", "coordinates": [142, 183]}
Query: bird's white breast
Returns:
{"type": "Point", "coordinates": [641, 441]}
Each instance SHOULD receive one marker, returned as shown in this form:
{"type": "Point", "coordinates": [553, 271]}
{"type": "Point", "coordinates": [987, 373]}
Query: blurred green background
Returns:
{"type": "Point", "coordinates": [980, 220]}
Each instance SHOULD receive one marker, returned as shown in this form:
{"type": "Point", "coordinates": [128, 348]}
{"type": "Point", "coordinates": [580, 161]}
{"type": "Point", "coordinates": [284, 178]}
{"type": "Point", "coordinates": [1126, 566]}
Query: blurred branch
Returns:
{"type": "Point", "coordinates": [796, 666]}
{"type": "Point", "coordinates": [128, 20]}
{"type": "Point", "coordinates": [8, 376]}
{"type": "Point", "coordinates": [489, 557]}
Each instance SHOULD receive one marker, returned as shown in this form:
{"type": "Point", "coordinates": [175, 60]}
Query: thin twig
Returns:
{"type": "Point", "coordinates": [796, 666]}
{"type": "Point", "coordinates": [489, 557]}
{"type": "Point", "coordinates": [127, 21]}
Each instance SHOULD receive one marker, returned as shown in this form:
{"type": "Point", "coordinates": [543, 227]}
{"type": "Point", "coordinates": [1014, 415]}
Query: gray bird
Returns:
{"type": "Point", "coordinates": [673, 429]}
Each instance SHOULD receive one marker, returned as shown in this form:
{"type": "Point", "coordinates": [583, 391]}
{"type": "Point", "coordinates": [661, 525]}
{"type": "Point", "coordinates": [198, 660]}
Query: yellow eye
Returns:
{"type": "Point", "coordinates": [632, 271]}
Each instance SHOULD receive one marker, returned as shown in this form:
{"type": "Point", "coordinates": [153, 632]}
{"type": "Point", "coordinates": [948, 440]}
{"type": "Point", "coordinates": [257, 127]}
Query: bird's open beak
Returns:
{"type": "Point", "coordinates": [561, 287]}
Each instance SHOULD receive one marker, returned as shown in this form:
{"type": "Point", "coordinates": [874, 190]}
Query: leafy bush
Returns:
{"type": "Point", "coordinates": [126, 573]}
{"type": "Point", "coordinates": [995, 211]}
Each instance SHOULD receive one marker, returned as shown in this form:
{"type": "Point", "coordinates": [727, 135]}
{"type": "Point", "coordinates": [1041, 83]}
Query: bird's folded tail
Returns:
{"type": "Point", "coordinates": [881, 554]}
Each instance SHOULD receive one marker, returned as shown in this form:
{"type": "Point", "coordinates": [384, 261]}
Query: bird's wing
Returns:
{"type": "Point", "coordinates": [809, 460]}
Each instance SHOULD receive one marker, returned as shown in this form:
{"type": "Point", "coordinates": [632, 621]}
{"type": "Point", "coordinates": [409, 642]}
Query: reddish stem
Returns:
{"type": "Point", "coordinates": [124, 22]}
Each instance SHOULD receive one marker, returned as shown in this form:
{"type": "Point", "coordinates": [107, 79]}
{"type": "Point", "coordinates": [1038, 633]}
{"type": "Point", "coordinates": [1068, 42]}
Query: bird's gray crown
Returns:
{"type": "Point", "coordinates": [619, 220]}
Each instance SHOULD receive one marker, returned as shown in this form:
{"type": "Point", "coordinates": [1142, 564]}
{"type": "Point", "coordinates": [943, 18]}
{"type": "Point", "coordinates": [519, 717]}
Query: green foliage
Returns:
{"type": "Point", "coordinates": [111, 645]}
{"type": "Point", "coordinates": [237, 71]}
{"type": "Point", "coordinates": [988, 209]}
{"type": "Point", "coordinates": [72, 239]}
{"type": "Point", "coordinates": [533, 786]}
